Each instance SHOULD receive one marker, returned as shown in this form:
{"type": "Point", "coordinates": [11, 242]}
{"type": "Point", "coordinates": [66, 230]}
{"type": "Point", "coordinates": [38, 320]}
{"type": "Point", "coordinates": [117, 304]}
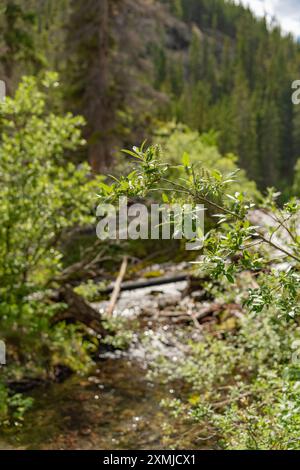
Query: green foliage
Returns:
{"type": "Point", "coordinates": [229, 83]}
{"type": "Point", "coordinates": [233, 73]}
{"type": "Point", "coordinates": [90, 290]}
{"type": "Point", "coordinates": [296, 186]}
{"type": "Point", "coordinates": [17, 37]}
{"type": "Point", "coordinates": [121, 332]}
{"type": "Point", "coordinates": [244, 388]}
{"type": "Point", "coordinates": [245, 382]}
{"type": "Point", "coordinates": [42, 196]}
{"type": "Point", "coordinates": [234, 236]}
{"type": "Point", "coordinates": [12, 407]}
{"type": "Point", "coordinates": [178, 140]}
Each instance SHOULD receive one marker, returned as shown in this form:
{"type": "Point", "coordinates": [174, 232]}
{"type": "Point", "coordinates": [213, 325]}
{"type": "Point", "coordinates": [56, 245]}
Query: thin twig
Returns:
{"type": "Point", "coordinates": [117, 288]}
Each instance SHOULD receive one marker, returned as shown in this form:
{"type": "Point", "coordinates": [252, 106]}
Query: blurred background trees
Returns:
{"type": "Point", "coordinates": [128, 66]}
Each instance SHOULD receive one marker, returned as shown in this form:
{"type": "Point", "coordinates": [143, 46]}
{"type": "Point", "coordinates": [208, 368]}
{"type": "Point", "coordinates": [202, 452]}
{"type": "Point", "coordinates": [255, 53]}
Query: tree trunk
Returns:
{"type": "Point", "coordinates": [78, 310]}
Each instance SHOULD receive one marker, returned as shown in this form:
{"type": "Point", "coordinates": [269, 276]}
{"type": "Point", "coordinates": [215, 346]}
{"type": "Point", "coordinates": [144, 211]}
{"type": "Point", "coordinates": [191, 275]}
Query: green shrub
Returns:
{"type": "Point", "coordinates": [177, 140]}
{"type": "Point", "coordinates": [245, 383]}
{"type": "Point", "coordinates": [42, 195]}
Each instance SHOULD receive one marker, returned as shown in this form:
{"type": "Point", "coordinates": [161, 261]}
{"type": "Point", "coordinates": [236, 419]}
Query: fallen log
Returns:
{"type": "Point", "coordinates": [78, 310]}
{"type": "Point", "coordinates": [158, 281]}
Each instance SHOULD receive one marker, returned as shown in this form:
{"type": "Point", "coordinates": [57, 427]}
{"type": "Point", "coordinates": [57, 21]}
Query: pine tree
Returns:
{"type": "Point", "coordinates": [18, 52]}
{"type": "Point", "coordinates": [245, 125]}
{"type": "Point", "coordinates": [88, 75]}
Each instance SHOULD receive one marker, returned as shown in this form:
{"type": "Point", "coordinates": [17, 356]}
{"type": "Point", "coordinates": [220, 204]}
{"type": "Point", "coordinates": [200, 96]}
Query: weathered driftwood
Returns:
{"type": "Point", "coordinates": [201, 313]}
{"type": "Point", "coordinates": [117, 287]}
{"type": "Point", "coordinates": [78, 310]}
{"type": "Point", "coordinates": [86, 268]}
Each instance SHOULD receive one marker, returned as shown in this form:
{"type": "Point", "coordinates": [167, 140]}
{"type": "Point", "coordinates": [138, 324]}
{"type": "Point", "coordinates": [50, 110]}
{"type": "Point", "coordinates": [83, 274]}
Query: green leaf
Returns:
{"type": "Point", "coordinates": [186, 159]}
{"type": "Point", "coordinates": [165, 198]}
{"type": "Point", "coordinates": [106, 189]}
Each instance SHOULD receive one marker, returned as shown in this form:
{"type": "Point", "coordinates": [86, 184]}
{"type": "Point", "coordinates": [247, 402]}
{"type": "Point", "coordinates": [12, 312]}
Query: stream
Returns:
{"type": "Point", "coordinates": [115, 408]}
{"type": "Point", "coordinates": [117, 405]}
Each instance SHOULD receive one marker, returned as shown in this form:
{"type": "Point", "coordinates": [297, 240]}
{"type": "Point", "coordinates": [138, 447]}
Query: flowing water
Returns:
{"type": "Point", "coordinates": [117, 406]}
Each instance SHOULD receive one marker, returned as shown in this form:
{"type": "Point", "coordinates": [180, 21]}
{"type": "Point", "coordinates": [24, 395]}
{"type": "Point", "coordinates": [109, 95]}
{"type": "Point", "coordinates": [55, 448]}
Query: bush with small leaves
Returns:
{"type": "Point", "coordinates": [244, 383]}
{"type": "Point", "coordinates": [42, 196]}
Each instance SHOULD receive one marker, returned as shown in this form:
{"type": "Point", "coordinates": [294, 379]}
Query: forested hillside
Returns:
{"type": "Point", "coordinates": [130, 64]}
